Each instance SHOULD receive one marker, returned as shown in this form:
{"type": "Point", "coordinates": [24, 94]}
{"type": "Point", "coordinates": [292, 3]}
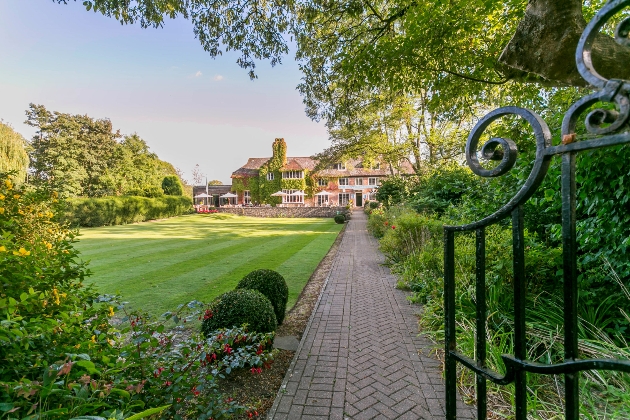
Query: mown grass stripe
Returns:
{"type": "Point", "coordinates": [157, 266]}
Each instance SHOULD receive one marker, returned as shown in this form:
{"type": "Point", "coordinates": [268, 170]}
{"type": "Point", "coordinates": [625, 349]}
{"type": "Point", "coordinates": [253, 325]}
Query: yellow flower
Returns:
{"type": "Point", "coordinates": [16, 196]}
{"type": "Point", "coordinates": [111, 342]}
{"type": "Point", "coordinates": [111, 311]}
{"type": "Point", "coordinates": [78, 346]}
{"type": "Point", "coordinates": [65, 251]}
{"type": "Point", "coordinates": [20, 211]}
{"type": "Point", "coordinates": [93, 339]}
{"type": "Point", "coordinates": [8, 184]}
{"type": "Point", "coordinates": [55, 194]}
{"type": "Point", "coordinates": [1, 197]}
{"type": "Point", "coordinates": [49, 214]}
{"type": "Point", "coordinates": [1, 210]}
{"type": "Point", "coordinates": [3, 248]}
{"type": "Point", "coordinates": [48, 245]}
{"type": "Point", "coordinates": [44, 303]}
{"type": "Point", "coordinates": [22, 252]}
{"type": "Point", "coordinates": [63, 295]}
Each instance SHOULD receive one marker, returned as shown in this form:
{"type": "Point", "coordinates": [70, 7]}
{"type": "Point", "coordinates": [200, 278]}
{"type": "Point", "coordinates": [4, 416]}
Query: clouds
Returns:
{"type": "Point", "coordinates": [198, 74]}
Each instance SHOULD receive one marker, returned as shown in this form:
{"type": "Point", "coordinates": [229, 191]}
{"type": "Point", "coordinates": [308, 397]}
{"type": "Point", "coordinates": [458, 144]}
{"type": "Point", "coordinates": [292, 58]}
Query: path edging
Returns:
{"type": "Point", "coordinates": [283, 386]}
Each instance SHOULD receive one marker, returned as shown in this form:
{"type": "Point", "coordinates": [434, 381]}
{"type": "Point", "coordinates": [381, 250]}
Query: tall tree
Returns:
{"type": "Point", "coordinates": [70, 152]}
{"type": "Point", "coordinates": [13, 156]}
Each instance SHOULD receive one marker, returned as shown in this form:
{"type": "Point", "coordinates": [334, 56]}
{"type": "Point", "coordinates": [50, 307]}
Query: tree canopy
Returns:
{"type": "Point", "coordinates": [81, 156]}
{"type": "Point", "coordinates": [13, 156]}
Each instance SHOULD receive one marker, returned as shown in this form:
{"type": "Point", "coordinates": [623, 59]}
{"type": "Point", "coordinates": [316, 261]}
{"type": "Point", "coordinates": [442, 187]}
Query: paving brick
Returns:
{"type": "Point", "coordinates": [361, 356]}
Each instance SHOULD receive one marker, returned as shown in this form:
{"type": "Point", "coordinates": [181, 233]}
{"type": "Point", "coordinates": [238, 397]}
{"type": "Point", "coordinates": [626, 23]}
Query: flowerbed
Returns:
{"type": "Point", "coordinates": [207, 211]}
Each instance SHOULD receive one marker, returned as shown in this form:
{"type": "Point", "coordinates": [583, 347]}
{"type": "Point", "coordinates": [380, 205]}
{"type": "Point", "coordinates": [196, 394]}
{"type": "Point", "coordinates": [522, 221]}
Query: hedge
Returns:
{"type": "Point", "coordinates": [106, 211]}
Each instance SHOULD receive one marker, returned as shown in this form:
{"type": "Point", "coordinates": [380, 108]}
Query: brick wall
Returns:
{"type": "Point", "coordinates": [283, 211]}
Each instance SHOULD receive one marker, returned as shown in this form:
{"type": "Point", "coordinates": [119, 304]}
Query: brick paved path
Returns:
{"type": "Point", "coordinates": [360, 357]}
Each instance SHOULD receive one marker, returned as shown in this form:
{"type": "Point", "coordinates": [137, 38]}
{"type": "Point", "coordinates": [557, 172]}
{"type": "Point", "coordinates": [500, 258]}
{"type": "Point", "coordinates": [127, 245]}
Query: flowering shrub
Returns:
{"type": "Point", "coordinates": [207, 211]}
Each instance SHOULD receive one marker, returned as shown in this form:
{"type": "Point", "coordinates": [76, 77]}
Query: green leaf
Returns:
{"type": "Point", "coordinates": [148, 412]}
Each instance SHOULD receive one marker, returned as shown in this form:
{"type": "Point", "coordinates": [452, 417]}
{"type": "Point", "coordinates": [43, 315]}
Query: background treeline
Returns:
{"type": "Point", "coordinates": [80, 156]}
{"type": "Point", "coordinates": [104, 177]}
{"type": "Point", "coordinates": [445, 191]}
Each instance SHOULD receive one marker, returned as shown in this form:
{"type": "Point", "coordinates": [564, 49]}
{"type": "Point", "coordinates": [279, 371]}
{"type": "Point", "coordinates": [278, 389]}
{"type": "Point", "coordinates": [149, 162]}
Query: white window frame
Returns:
{"type": "Point", "coordinates": [322, 200]}
{"type": "Point", "coordinates": [344, 182]}
{"type": "Point", "coordinates": [373, 181]}
{"type": "Point", "coordinates": [292, 174]}
{"type": "Point", "coordinates": [292, 199]}
{"type": "Point", "coordinates": [340, 166]}
{"type": "Point", "coordinates": [344, 199]}
{"type": "Point", "coordinates": [247, 197]}
{"type": "Point", "coordinates": [376, 165]}
{"type": "Point", "coordinates": [269, 176]}
{"type": "Point", "coordinates": [322, 182]}
{"type": "Point", "coordinates": [358, 181]}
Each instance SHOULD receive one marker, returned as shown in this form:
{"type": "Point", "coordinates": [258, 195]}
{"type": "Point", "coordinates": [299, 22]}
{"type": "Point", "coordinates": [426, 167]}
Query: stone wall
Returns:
{"type": "Point", "coordinates": [283, 211]}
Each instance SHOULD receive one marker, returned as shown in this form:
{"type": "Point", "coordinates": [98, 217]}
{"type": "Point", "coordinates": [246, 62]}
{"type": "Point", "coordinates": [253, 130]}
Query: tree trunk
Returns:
{"type": "Point", "coordinates": [545, 42]}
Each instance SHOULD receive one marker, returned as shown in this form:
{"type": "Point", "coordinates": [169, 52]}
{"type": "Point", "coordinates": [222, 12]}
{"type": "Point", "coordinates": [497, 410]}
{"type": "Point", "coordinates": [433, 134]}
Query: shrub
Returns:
{"type": "Point", "coordinates": [172, 186]}
{"type": "Point", "coordinates": [108, 211]}
{"type": "Point", "coordinates": [271, 284]}
{"type": "Point", "coordinates": [238, 307]}
{"type": "Point", "coordinates": [340, 218]}
{"type": "Point", "coordinates": [374, 205]}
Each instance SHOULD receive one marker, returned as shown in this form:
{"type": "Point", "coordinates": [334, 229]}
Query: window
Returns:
{"type": "Point", "coordinates": [292, 198]}
{"type": "Point", "coordinates": [344, 198]}
{"type": "Point", "coordinates": [343, 181]}
{"type": "Point", "coordinates": [270, 176]}
{"type": "Point", "coordinates": [372, 181]}
{"type": "Point", "coordinates": [358, 181]}
{"type": "Point", "coordinates": [322, 200]}
{"type": "Point", "coordinates": [292, 174]}
{"type": "Point", "coordinates": [322, 182]}
{"type": "Point", "coordinates": [376, 165]}
{"type": "Point", "coordinates": [247, 198]}
{"type": "Point", "coordinates": [339, 166]}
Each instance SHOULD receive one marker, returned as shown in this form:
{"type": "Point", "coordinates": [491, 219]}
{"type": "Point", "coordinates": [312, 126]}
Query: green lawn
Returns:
{"type": "Point", "coordinates": [158, 265]}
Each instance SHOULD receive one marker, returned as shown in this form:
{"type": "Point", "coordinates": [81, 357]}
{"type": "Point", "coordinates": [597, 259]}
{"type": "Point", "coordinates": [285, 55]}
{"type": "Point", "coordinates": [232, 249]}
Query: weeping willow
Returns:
{"type": "Point", "coordinates": [13, 156]}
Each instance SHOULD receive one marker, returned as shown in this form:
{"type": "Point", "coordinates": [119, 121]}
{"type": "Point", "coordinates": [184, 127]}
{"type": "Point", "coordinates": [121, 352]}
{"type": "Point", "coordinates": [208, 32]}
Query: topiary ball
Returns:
{"type": "Point", "coordinates": [340, 218]}
{"type": "Point", "coordinates": [271, 284]}
{"type": "Point", "coordinates": [238, 307]}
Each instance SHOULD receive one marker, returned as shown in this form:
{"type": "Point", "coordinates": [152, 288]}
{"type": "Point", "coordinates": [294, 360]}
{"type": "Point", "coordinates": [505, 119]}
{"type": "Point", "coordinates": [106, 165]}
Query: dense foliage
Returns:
{"type": "Point", "coordinates": [172, 185]}
{"type": "Point", "coordinates": [271, 284]}
{"type": "Point", "coordinates": [77, 155]}
{"type": "Point", "coordinates": [238, 307]}
{"type": "Point", "coordinates": [13, 156]}
{"type": "Point", "coordinates": [340, 219]}
{"type": "Point", "coordinates": [65, 351]}
{"type": "Point", "coordinates": [107, 211]}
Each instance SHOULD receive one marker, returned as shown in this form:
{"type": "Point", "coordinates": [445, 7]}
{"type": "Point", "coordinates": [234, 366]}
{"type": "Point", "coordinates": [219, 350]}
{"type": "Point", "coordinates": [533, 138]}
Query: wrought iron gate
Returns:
{"type": "Point", "coordinates": [610, 128]}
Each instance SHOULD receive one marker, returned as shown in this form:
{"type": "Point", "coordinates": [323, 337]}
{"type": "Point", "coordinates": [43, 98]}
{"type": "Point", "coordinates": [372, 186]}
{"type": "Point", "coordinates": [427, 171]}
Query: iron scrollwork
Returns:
{"type": "Point", "coordinates": [606, 128]}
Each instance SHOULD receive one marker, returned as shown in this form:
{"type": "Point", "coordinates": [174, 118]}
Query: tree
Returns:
{"type": "Point", "coordinates": [215, 182]}
{"type": "Point", "coordinates": [70, 152]}
{"type": "Point", "coordinates": [172, 186]}
{"type": "Point", "coordinates": [197, 175]}
{"type": "Point", "coordinates": [13, 155]}
{"type": "Point", "coordinates": [475, 40]}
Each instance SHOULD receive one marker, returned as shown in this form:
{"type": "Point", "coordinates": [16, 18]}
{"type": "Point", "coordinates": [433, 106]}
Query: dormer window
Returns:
{"type": "Point", "coordinates": [293, 174]}
{"type": "Point", "coordinates": [376, 165]}
{"type": "Point", "coordinates": [339, 166]}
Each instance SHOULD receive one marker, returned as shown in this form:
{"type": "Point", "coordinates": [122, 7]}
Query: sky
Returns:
{"type": "Point", "coordinates": [159, 83]}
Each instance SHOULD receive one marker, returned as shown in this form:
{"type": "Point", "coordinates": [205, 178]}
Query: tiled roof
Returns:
{"type": "Point", "coordinates": [253, 165]}
{"type": "Point", "coordinates": [250, 168]}
{"type": "Point", "coordinates": [354, 168]}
